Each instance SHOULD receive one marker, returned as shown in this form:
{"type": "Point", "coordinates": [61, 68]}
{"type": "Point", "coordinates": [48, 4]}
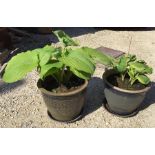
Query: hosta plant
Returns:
{"type": "Point", "coordinates": [59, 62]}
{"type": "Point", "coordinates": [136, 70]}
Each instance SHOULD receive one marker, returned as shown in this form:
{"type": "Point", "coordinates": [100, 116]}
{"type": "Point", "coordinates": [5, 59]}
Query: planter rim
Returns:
{"type": "Point", "coordinates": [120, 89]}
{"type": "Point", "coordinates": [39, 85]}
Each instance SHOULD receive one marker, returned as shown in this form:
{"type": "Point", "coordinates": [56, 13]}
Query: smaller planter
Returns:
{"type": "Point", "coordinates": [64, 107]}
{"type": "Point", "coordinates": [120, 101]}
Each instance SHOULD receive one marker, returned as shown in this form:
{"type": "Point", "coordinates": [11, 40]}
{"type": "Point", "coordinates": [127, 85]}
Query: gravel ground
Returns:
{"type": "Point", "coordinates": [21, 104]}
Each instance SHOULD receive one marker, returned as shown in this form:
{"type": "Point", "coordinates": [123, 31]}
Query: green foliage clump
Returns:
{"type": "Point", "coordinates": [58, 62]}
{"type": "Point", "coordinates": [61, 62]}
{"type": "Point", "coordinates": [135, 69]}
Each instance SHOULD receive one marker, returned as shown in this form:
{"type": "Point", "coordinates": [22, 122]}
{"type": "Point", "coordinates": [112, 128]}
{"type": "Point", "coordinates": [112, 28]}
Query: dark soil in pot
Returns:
{"type": "Point", "coordinates": [66, 102]}
{"type": "Point", "coordinates": [117, 81]}
{"type": "Point", "coordinates": [52, 85]}
{"type": "Point", "coordinates": [123, 98]}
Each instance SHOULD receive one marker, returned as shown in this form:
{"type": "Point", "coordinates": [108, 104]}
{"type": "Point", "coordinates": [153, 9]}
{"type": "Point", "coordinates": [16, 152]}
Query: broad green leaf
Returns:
{"type": "Point", "coordinates": [143, 79]}
{"type": "Point", "coordinates": [45, 54]}
{"type": "Point", "coordinates": [133, 80]}
{"type": "Point", "coordinates": [81, 74]}
{"type": "Point", "coordinates": [64, 38]}
{"type": "Point", "coordinates": [78, 62]}
{"type": "Point", "coordinates": [141, 68]}
{"type": "Point", "coordinates": [83, 57]}
{"type": "Point", "coordinates": [20, 65]}
{"type": "Point", "coordinates": [122, 65]}
{"type": "Point", "coordinates": [95, 55]}
{"type": "Point", "coordinates": [50, 69]}
{"type": "Point", "coordinates": [130, 74]}
{"type": "Point", "coordinates": [82, 53]}
{"type": "Point", "coordinates": [148, 70]}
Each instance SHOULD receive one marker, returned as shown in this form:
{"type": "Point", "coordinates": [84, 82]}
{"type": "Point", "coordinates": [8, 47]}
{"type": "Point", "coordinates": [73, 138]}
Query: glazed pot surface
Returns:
{"type": "Point", "coordinates": [64, 106]}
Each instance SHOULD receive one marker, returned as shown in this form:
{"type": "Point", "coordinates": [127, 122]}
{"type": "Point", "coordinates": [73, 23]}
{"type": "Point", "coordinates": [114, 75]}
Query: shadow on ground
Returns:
{"type": "Point", "coordinates": [150, 98]}
{"type": "Point", "coordinates": [6, 87]}
{"type": "Point", "coordinates": [94, 95]}
{"type": "Point", "coordinates": [77, 31]}
{"type": "Point", "coordinates": [72, 31]}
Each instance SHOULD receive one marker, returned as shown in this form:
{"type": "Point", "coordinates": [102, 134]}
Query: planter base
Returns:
{"type": "Point", "coordinates": [117, 114]}
{"type": "Point", "coordinates": [70, 121]}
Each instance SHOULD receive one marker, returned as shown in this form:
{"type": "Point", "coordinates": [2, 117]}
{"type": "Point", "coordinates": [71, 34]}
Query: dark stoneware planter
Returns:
{"type": "Point", "coordinates": [120, 101]}
{"type": "Point", "coordinates": [64, 107]}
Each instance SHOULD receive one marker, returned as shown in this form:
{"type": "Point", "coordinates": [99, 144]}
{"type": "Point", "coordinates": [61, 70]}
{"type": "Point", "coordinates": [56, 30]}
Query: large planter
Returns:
{"type": "Point", "coordinates": [120, 101]}
{"type": "Point", "coordinates": [64, 107]}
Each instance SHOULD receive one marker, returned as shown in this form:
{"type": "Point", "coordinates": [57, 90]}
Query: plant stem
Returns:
{"type": "Point", "coordinates": [132, 82]}
{"type": "Point", "coordinates": [62, 74]}
{"type": "Point", "coordinates": [123, 76]}
{"type": "Point", "coordinates": [63, 69]}
{"type": "Point", "coordinates": [68, 76]}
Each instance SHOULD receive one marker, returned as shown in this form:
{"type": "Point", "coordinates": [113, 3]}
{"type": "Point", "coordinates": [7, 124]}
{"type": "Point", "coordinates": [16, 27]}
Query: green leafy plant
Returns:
{"type": "Point", "coordinates": [135, 69]}
{"type": "Point", "coordinates": [61, 62]}
{"type": "Point", "coordinates": [58, 62]}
